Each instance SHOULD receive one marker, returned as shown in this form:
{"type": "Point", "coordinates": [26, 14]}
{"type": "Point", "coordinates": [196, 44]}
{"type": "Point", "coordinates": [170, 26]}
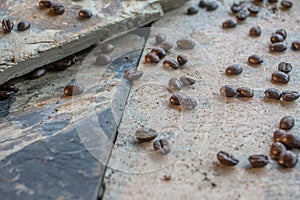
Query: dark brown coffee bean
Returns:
{"type": "Point", "coordinates": [23, 25]}
{"type": "Point", "coordinates": [276, 38]}
{"type": "Point", "coordinates": [182, 59]}
{"type": "Point", "coordinates": [9, 87]}
{"type": "Point", "coordinates": [159, 38]}
{"type": "Point", "coordinates": [286, 4]}
{"type": "Point", "coordinates": [73, 89]}
{"type": "Point", "coordinates": [278, 135]}
{"type": "Point", "coordinates": [289, 95]}
{"type": "Point", "coordinates": [280, 77]}
{"type": "Point", "coordinates": [230, 23]}
{"type": "Point", "coordinates": [151, 58]}
{"type": "Point", "coordinates": [45, 4]}
{"type": "Point", "coordinates": [107, 48]}
{"type": "Point", "coordinates": [242, 15]}
{"type": "Point", "coordinates": [234, 69]}
{"type": "Point", "coordinates": [186, 43]}
{"type": "Point", "coordinates": [228, 91]}
{"type": "Point", "coordinates": [296, 45]}
{"type": "Point", "coordinates": [288, 159]}
{"type": "Point", "coordinates": [245, 92]}
{"type": "Point", "coordinates": [273, 93]}
{"type": "Point", "coordinates": [202, 3]}
{"type": "Point", "coordinates": [235, 8]}
{"type": "Point", "coordinates": [257, 161]}
{"type": "Point", "coordinates": [7, 25]}
{"type": "Point", "coordinates": [133, 74]}
{"type": "Point", "coordinates": [255, 31]}
{"type": "Point", "coordinates": [227, 159]}
{"type": "Point", "coordinates": [175, 99]}
{"type": "Point", "coordinates": [85, 13]}
{"type": "Point", "coordinates": [282, 32]}
{"type": "Point", "coordinates": [166, 46]}
{"type": "Point", "coordinates": [291, 140]}
{"type": "Point", "coordinates": [37, 73]}
{"type": "Point", "coordinates": [4, 95]}
{"type": "Point", "coordinates": [103, 59]}
{"type": "Point", "coordinates": [169, 63]}
{"type": "Point", "coordinates": [276, 149]}
{"type": "Point", "coordinates": [145, 134]}
{"type": "Point", "coordinates": [174, 84]}
{"type": "Point", "coordinates": [162, 145]}
{"type": "Point", "coordinates": [287, 123]}
{"type": "Point", "coordinates": [187, 81]}
{"type": "Point", "coordinates": [62, 64]}
{"type": "Point", "coordinates": [253, 9]}
{"type": "Point", "coordinates": [278, 47]}
{"type": "Point", "coordinates": [285, 67]}
{"type": "Point", "coordinates": [255, 59]}
{"type": "Point", "coordinates": [211, 6]}
{"type": "Point", "coordinates": [160, 52]}
{"type": "Point", "coordinates": [192, 10]}
{"type": "Point", "coordinates": [56, 9]}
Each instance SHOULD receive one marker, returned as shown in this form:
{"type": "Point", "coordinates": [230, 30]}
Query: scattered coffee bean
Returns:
{"type": "Point", "coordinates": [103, 59]}
{"type": "Point", "coordinates": [276, 38]}
{"type": "Point", "coordinates": [62, 64]}
{"type": "Point", "coordinates": [160, 52]}
{"type": "Point", "coordinates": [176, 98]}
{"type": "Point", "coordinates": [187, 81]}
{"type": "Point", "coordinates": [296, 45]}
{"type": "Point", "coordinates": [276, 149]}
{"type": "Point", "coordinates": [186, 43]}
{"type": "Point", "coordinates": [255, 59]}
{"type": "Point", "coordinates": [286, 4]}
{"type": "Point", "coordinates": [56, 9]}
{"type": "Point", "coordinates": [182, 59]}
{"type": "Point", "coordinates": [282, 32]}
{"type": "Point", "coordinates": [273, 93]}
{"type": "Point", "coordinates": [235, 8]}
{"type": "Point", "coordinates": [290, 95]}
{"type": "Point", "coordinates": [288, 159]}
{"type": "Point", "coordinates": [45, 4]}
{"type": "Point", "coordinates": [227, 159]}
{"type": "Point", "coordinates": [278, 47]}
{"type": "Point", "coordinates": [245, 92]}
{"type": "Point", "coordinates": [255, 31]}
{"type": "Point", "coordinates": [132, 74]}
{"type": "Point", "coordinates": [242, 15]}
{"type": "Point", "coordinates": [280, 77]}
{"type": "Point", "coordinates": [285, 67]}
{"type": "Point", "coordinates": [253, 9]}
{"type": "Point", "coordinates": [145, 134]}
{"type": "Point", "coordinates": [166, 46]}
{"type": "Point", "coordinates": [278, 135]}
{"type": "Point", "coordinates": [211, 6]}
{"type": "Point", "coordinates": [162, 145]}
{"type": "Point", "coordinates": [188, 103]}
{"type": "Point", "coordinates": [202, 3]}
{"type": "Point", "coordinates": [5, 95]}
{"type": "Point", "coordinates": [9, 87]}
{"type": "Point", "coordinates": [169, 63]}
{"type": "Point", "coordinates": [7, 25]}
{"type": "Point", "coordinates": [234, 69]}
{"type": "Point", "coordinates": [37, 73]}
{"type": "Point", "coordinates": [291, 140]}
{"type": "Point", "coordinates": [23, 25]}
{"type": "Point", "coordinates": [151, 58]}
{"type": "Point", "coordinates": [257, 161]}
{"type": "Point", "coordinates": [107, 48]}
{"type": "Point", "coordinates": [287, 123]}
{"type": "Point", "coordinates": [159, 38]}
{"type": "Point", "coordinates": [174, 84]}
{"type": "Point", "coordinates": [192, 10]}
{"type": "Point", "coordinates": [228, 91]}
{"type": "Point", "coordinates": [230, 23]}
{"type": "Point", "coordinates": [85, 13]}
{"type": "Point", "coordinates": [73, 89]}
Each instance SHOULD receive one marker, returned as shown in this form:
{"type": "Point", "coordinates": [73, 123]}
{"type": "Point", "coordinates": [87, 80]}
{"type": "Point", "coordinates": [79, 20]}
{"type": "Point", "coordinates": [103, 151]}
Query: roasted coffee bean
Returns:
{"type": "Point", "coordinates": [273, 93]}
{"type": "Point", "coordinates": [288, 159]}
{"type": "Point", "coordinates": [285, 67]}
{"type": "Point", "coordinates": [235, 8]}
{"type": "Point", "coordinates": [255, 31]}
{"type": "Point", "coordinates": [132, 74]}
{"type": "Point", "coordinates": [291, 140]}
{"type": "Point", "coordinates": [278, 47]}
{"type": "Point", "coordinates": [280, 77]}
{"type": "Point", "coordinates": [296, 45]}
{"type": "Point", "coordinates": [103, 59]}
{"type": "Point", "coordinates": [62, 64]}
{"type": "Point", "coordinates": [242, 15]}
{"type": "Point", "coordinates": [202, 3]}
{"type": "Point", "coordinates": [174, 84]}
{"type": "Point", "coordinates": [166, 46]}
{"type": "Point", "coordinates": [160, 52]}
{"type": "Point", "coordinates": [286, 4]}
{"type": "Point", "coordinates": [192, 10]}
{"type": "Point", "coordinates": [160, 37]}
{"type": "Point", "coordinates": [253, 9]}
{"type": "Point", "coordinates": [73, 89]}
{"type": "Point", "coordinates": [162, 145]}
{"type": "Point", "coordinates": [255, 59]}
{"type": "Point", "coordinates": [234, 69]}
{"type": "Point", "coordinates": [230, 23]}
{"type": "Point", "coordinates": [7, 25]}
{"type": "Point", "coordinates": [85, 13]}
{"type": "Point", "coordinates": [282, 32]}
{"type": "Point", "coordinates": [276, 149]}
{"type": "Point", "coordinates": [23, 25]}
{"type": "Point", "coordinates": [169, 63]}
{"type": "Point", "coordinates": [186, 43]}
{"type": "Point", "coordinates": [45, 4]}
{"type": "Point", "coordinates": [228, 91]}
{"type": "Point", "coordinates": [151, 58]}
{"type": "Point", "coordinates": [9, 87]}
{"type": "Point", "coordinates": [37, 73]}
{"type": "Point", "coordinates": [227, 159]}
{"type": "Point", "coordinates": [176, 98]}
{"type": "Point", "coordinates": [187, 81]}
{"type": "Point", "coordinates": [290, 95]}
{"type": "Point", "coordinates": [287, 123]}
{"type": "Point", "coordinates": [5, 95]}
{"type": "Point", "coordinates": [182, 59]}
{"type": "Point", "coordinates": [278, 135]}
{"type": "Point", "coordinates": [107, 48]}
{"type": "Point", "coordinates": [245, 92]}
{"type": "Point", "coordinates": [145, 134]}
{"type": "Point", "coordinates": [257, 161]}
{"type": "Point", "coordinates": [211, 6]}
{"type": "Point", "coordinates": [56, 9]}
{"type": "Point", "coordinates": [188, 103]}
{"type": "Point", "coordinates": [276, 38]}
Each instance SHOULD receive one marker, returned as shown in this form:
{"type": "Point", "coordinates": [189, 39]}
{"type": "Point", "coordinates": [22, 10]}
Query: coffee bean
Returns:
{"type": "Point", "coordinates": [278, 135]}
{"type": "Point", "coordinates": [230, 23]}
{"type": "Point", "coordinates": [285, 67]}
{"type": "Point", "coordinates": [235, 8]}
{"type": "Point", "coordinates": [282, 32]}
{"type": "Point", "coordinates": [151, 58]}
{"type": "Point", "coordinates": [56, 9]}
{"type": "Point", "coordinates": [280, 77]}
{"type": "Point", "coordinates": [166, 46]}
{"type": "Point", "coordinates": [273, 93]}
{"type": "Point", "coordinates": [159, 38]}
{"type": "Point", "coordinates": [255, 59]}
{"type": "Point", "coordinates": [228, 91]}
{"type": "Point", "coordinates": [227, 159]}
{"type": "Point", "coordinates": [286, 4]}
{"type": "Point", "coordinates": [9, 87]}
{"type": "Point", "coordinates": [174, 84]}
{"type": "Point", "coordinates": [73, 89]}
{"type": "Point", "coordinates": [296, 45]}
{"type": "Point", "coordinates": [242, 15]}
{"type": "Point", "coordinates": [278, 47]}
{"type": "Point", "coordinates": [276, 38]}
{"type": "Point", "coordinates": [45, 4]}
{"type": "Point", "coordinates": [103, 59]}
{"type": "Point", "coordinates": [245, 92]}
{"type": "Point", "coordinates": [107, 48]}
{"type": "Point", "coordinates": [169, 63]}
{"type": "Point", "coordinates": [287, 123]}
{"type": "Point", "coordinates": [202, 3]}
{"type": "Point", "coordinates": [145, 134]}
{"type": "Point", "coordinates": [7, 25]}
{"type": "Point", "coordinates": [291, 140]}
{"type": "Point", "coordinates": [62, 64]}
{"type": "Point", "coordinates": [187, 81]}
{"type": "Point", "coordinates": [288, 159]}
{"type": "Point", "coordinates": [211, 6]}
{"type": "Point", "coordinates": [175, 99]}
{"type": "Point", "coordinates": [188, 103]}
{"type": "Point", "coordinates": [160, 52]}
{"type": "Point", "coordinates": [182, 59]}
{"type": "Point", "coordinates": [186, 43]}
{"type": "Point", "coordinates": [289, 95]}
{"type": "Point", "coordinates": [4, 95]}
{"type": "Point", "coordinates": [192, 10]}
{"type": "Point", "coordinates": [253, 9]}
{"type": "Point", "coordinates": [276, 149]}
{"type": "Point", "coordinates": [23, 25]}
{"type": "Point", "coordinates": [255, 31]}
{"type": "Point", "coordinates": [85, 13]}
{"type": "Point", "coordinates": [162, 145]}
{"type": "Point", "coordinates": [132, 74]}
{"type": "Point", "coordinates": [37, 73]}
{"type": "Point", "coordinates": [234, 69]}
{"type": "Point", "coordinates": [257, 161]}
